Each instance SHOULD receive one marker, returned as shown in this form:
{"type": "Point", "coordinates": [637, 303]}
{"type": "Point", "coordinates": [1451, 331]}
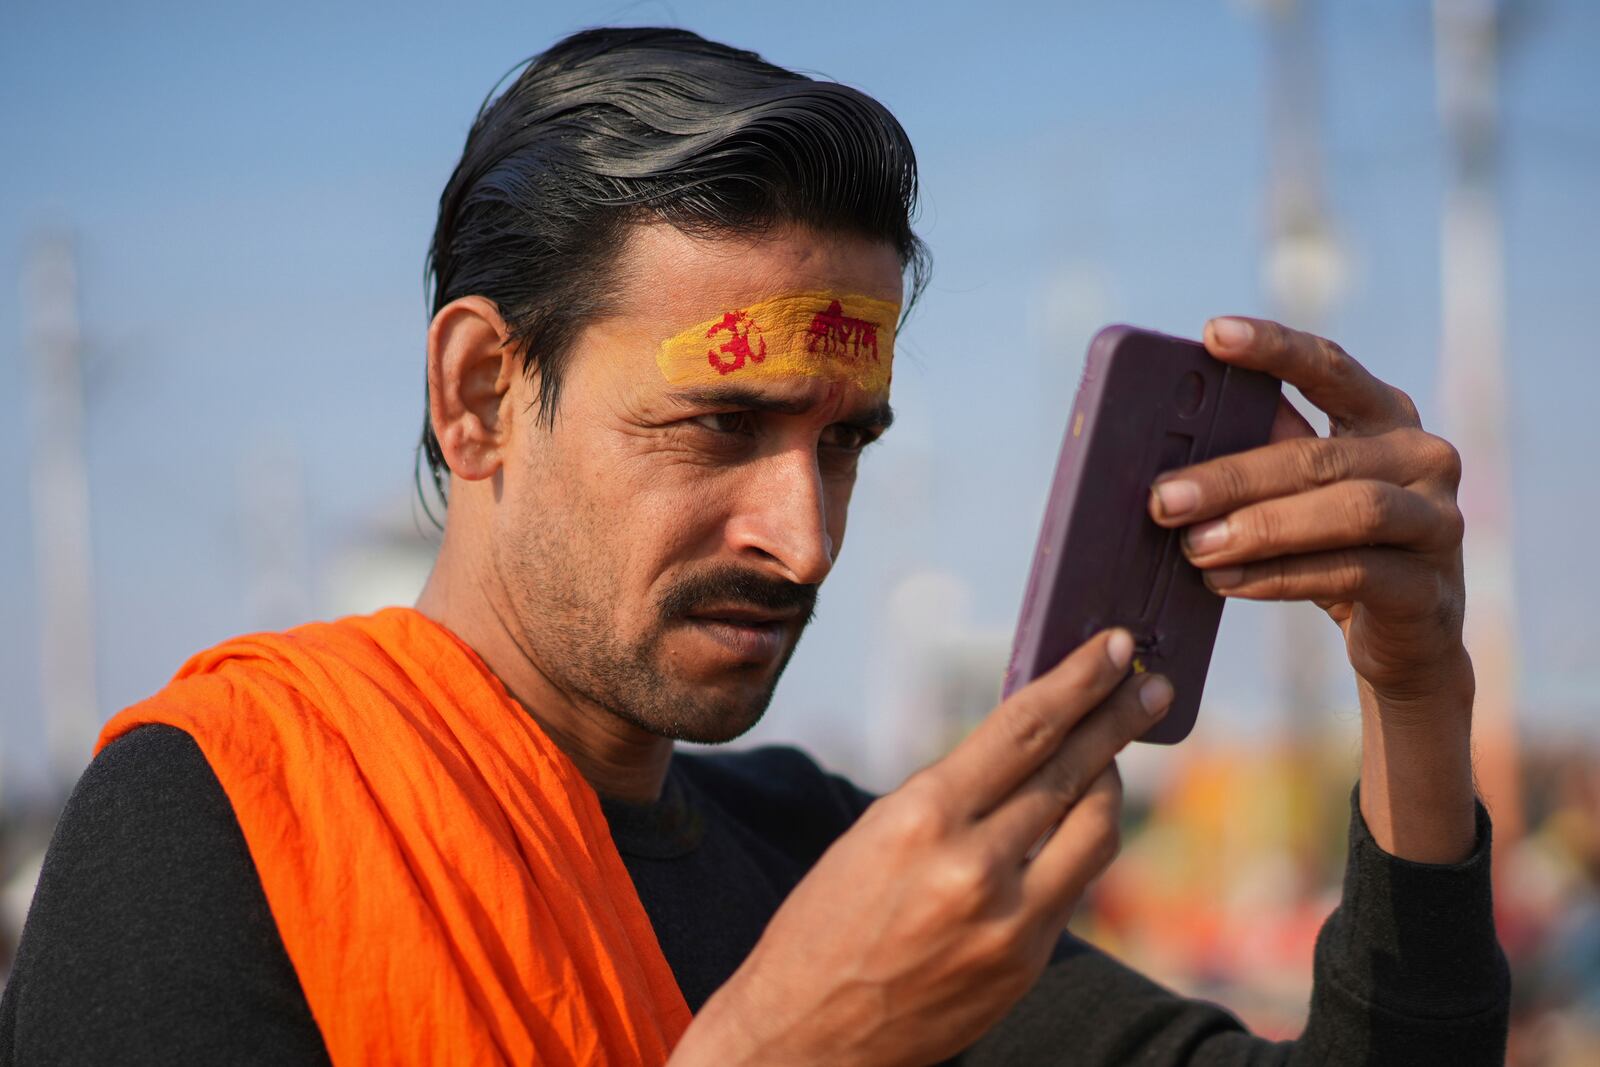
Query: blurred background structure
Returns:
{"type": "Point", "coordinates": [212, 224]}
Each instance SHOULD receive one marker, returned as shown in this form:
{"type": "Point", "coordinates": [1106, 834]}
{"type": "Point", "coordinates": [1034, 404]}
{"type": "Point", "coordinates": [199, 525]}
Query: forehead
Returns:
{"type": "Point", "coordinates": [670, 281]}
{"type": "Point", "coordinates": [671, 278]}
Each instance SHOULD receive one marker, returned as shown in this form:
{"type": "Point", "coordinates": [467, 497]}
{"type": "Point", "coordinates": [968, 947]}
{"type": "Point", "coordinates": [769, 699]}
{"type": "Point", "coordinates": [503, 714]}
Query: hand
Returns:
{"type": "Point", "coordinates": [1363, 522]}
{"type": "Point", "coordinates": [931, 917]}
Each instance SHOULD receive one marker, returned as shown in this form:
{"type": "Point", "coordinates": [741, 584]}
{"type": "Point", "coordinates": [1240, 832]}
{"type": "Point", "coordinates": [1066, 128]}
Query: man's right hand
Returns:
{"type": "Point", "coordinates": [923, 925]}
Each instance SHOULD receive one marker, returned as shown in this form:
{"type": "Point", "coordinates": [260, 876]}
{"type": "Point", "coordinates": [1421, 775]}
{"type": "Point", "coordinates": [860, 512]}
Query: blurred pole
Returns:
{"type": "Point", "coordinates": [1473, 385]}
{"type": "Point", "coordinates": [60, 488]}
{"type": "Point", "coordinates": [1303, 275]}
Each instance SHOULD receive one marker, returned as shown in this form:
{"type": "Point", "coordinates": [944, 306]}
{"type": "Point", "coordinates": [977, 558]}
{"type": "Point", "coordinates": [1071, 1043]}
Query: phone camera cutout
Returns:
{"type": "Point", "coordinates": [1190, 394]}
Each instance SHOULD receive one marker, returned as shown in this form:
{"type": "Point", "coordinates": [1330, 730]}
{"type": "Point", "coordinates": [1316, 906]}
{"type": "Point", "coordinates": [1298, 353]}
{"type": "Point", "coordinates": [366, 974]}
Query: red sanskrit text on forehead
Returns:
{"type": "Point", "coordinates": [737, 348]}
{"type": "Point", "coordinates": [833, 333]}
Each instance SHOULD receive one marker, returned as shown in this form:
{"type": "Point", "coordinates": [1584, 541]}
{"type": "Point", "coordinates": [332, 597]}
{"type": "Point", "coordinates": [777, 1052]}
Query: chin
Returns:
{"type": "Point", "coordinates": [711, 733]}
{"type": "Point", "coordinates": [710, 719]}
{"type": "Point", "coordinates": [705, 713]}
{"type": "Point", "coordinates": [683, 693]}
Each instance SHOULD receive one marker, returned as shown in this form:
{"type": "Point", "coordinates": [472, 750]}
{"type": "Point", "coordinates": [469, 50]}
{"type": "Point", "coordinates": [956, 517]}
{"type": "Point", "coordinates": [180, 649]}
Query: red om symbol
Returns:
{"type": "Point", "coordinates": [737, 347]}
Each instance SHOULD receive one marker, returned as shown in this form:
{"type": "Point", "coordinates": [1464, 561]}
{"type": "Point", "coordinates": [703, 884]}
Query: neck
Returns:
{"type": "Point", "coordinates": [618, 759]}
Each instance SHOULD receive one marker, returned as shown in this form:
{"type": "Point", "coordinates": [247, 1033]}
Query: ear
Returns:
{"type": "Point", "coordinates": [471, 366]}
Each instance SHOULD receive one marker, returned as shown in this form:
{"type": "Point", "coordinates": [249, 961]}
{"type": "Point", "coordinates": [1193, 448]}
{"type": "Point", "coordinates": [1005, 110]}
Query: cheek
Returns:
{"type": "Point", "coordinates": [594, 521]}
{"type": "Point", "coordinates": [681, 513]}
{"type": "Point", "coordinates": [671, 494]}
{"type": "Point", "coordinates": [557, 527]}
{"type": "Point", "coordinates": [653, 519]}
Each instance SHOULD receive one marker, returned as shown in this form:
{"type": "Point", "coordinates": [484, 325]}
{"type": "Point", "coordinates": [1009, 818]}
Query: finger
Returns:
{"type": "Point", "coordinates": [1347, 514]}
{"type": "Point", "coordinates": [1027, 728]}
{"type": "Point", "coordinates": [1227, 483]}
{"type": "Point", "coordinates": [1326, 374]}
{"type": "Point", "coordinates": [1390, 580]}
{"type": "Point", "coordinates": [1016, 825]}
{"type": "Point", "coordinates": [1079, 851]}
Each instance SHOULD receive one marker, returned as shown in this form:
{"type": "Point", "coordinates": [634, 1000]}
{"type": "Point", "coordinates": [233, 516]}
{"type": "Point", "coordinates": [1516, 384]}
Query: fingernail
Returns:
{"type": "Point", "coordinates": [1120, 649]}
{"type": "Point", "coordinates": [1177, 498]}
{"type": "Point", "coordinates": [1207, 536]}
{"type": "Point", "coordinates": [1231, 333]}
{"type": "Point", "coordinates": [1223, 577]}
{"type": "Point", "coordinates": [1155, 696]}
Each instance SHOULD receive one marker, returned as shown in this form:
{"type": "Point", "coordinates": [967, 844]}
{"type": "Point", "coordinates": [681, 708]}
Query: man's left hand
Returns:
{"type": "Point", "coordinates": [1363, 522]}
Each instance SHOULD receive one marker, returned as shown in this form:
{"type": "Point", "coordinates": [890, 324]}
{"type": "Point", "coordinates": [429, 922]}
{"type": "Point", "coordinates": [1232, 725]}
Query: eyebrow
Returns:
{"type": "Point", "coordinates": [878, 418]}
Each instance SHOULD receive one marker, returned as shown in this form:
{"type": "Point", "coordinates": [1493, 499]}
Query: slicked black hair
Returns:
{"type": "Point", "coordinates": [612, 127]}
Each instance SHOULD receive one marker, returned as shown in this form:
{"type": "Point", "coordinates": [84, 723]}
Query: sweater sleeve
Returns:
{"type": "Point", "coordinates": [1408, 969]}
{"type": "Point", "coordinates": [149, 939]}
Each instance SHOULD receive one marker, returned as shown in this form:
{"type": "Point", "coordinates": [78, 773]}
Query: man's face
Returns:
{"type": "Point", "coordinates": [663, 544]}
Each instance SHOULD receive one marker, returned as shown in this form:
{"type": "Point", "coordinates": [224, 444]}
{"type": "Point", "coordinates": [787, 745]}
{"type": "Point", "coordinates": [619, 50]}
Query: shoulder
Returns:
{"type": "Point", "coordinates": [153, 758]}
{"type": "Point", "coordinates": [149, 797]}
{"type": "Point", "coordinates": [147, 826]}
{"type": "Point", "coordinates": [778, 789]}
{"type": "Point", "coordinates": [149, 907]}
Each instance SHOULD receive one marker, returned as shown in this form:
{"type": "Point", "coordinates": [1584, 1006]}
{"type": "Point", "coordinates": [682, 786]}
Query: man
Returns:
{"type": "Point", "coordinates": [666, 278]}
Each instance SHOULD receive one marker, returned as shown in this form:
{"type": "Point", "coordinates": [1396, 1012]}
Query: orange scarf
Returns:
{"type": "Point", "coordinates": [441, 874]}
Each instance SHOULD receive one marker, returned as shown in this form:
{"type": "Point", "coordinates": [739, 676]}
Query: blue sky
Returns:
{"type": "Point", "coordinates": [251, 189]}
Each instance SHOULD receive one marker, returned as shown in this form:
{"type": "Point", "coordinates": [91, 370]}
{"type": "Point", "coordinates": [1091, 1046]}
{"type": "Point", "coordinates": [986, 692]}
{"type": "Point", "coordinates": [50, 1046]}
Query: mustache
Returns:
{"type": "Point", "coordinates": [727, 586]}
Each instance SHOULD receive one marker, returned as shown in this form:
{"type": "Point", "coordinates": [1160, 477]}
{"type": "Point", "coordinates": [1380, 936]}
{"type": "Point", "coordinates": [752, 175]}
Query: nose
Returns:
{"type": "Point", "coordinates": [783, 517]}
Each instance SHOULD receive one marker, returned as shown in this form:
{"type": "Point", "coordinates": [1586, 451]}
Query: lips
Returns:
{"type": "Point", "coordinates": [742, 616]}
{"type": "Point", "coordinates": [733, 616]}
{"type": "Point", "coordinates": [750, 634]}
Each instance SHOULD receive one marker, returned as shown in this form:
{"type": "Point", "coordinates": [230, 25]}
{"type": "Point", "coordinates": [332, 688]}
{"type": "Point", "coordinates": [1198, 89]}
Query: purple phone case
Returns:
{"type": "Point", "coordinates": [1147, 403]}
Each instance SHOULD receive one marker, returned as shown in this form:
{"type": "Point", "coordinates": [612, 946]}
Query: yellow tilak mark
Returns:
{"type": "Point", "coordinates": [813, 335]}
{"type": "Point", "coordinates": [1077, 425]}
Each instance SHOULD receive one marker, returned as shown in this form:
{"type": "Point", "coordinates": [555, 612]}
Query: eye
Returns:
{"type": "Point", "coordinates": [848, 438]}
{"type": "Point", "coordinates": [724, 422]}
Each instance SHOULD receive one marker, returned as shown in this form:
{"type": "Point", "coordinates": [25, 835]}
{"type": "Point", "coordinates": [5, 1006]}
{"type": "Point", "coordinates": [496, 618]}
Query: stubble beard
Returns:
{"type": "Point", "coordinates": [631, 683]}
{"type": "Point", "coordinates": [563, 607]}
